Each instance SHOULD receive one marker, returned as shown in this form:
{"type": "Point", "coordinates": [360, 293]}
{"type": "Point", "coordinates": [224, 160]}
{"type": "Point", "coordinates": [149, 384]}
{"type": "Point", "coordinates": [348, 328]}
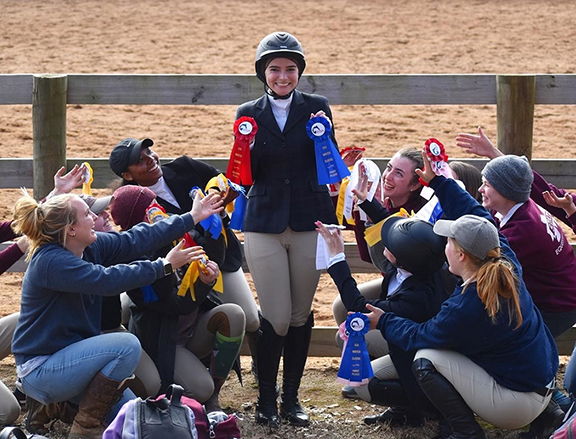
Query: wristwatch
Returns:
{"type": "Point", "coordinates": [167, 267]}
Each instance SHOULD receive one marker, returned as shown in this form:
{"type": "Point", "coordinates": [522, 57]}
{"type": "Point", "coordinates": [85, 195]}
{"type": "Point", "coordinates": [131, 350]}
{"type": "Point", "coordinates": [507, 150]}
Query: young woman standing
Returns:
{"type": "Point", "coordinates": [280, 239]}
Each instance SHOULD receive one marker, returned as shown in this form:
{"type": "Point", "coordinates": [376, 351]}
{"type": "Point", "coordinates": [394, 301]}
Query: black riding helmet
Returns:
{"type": "Point", "coordinates": [278, 45]}
{"type": "Point", "coordinates": [414, 244]}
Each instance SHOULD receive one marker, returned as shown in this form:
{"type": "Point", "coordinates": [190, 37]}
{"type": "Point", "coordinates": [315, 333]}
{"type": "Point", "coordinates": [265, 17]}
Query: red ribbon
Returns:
{"type": "Point", "coordinates": [436, 153]}
{"type": "Point", "coordinates": [239, 171]}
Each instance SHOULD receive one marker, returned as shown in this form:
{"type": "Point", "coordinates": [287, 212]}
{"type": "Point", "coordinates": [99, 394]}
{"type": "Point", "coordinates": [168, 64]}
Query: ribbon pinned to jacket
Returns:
{"type": "Point", "coordinates": [239, 169]}
{"type": "Point", "coordinates": [355, 368]}
{"type": "Point", "coordinates": [329, 165]}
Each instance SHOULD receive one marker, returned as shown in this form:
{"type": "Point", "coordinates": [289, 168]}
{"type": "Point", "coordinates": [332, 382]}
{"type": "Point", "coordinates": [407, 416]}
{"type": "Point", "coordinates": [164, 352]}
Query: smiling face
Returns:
{"type": "Point", "coordinates": [399, 180]}
{"type": "Point", "coordinates": [281, 75]}
{"type": "Point", "coordinates": [81, 233]}
{"type": "Point", "coordinates": [103, 222]}
{"type": "Point", "coordinates": [493, 200]}
{"type": "Point", "coordinates": [146, 171]}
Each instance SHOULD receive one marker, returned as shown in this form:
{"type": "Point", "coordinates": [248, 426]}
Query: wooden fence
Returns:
{"type": "Point", "coordinates": [514, 96]}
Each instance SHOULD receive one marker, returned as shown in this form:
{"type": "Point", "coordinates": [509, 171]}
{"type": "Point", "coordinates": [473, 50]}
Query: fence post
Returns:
{"type": "Point", "coordinates": [49, 96]}
{"type": "Point", "coordinates": [515, 113]}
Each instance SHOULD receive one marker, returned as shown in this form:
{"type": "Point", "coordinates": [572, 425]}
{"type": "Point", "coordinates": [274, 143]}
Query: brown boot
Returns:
{"type": "Point", "coordinates": [102, 393]}
{"type": "Point", "coordinates": [40, 415]}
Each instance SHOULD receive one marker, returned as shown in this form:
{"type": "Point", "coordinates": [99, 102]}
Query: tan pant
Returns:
{"type": "Point", "coordinates": [376, 344]}
{"type": "Point", "coordinates": [498, 405]}
{"type": "Point", "coordinates": [147, 379]}
{"type": "Point", "coordinates": [383, 369]}
{"type": "Point", "coordinates": [283, 267]}
{"type": "Point", "coordinates": [237, 290]}
{"type": "Point", "coordinates": [9, 407]}
{"type": "Point", "coordinates": [189, 371]}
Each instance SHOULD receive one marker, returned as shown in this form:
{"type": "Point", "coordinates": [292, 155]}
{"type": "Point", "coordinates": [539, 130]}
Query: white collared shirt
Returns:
{"type": "Point", "coordinates": [161, 189]}
{"type": "Point", "coordinates": [504, 219]}
{"type": "Point", "coordinates": [280, 109]}
{"type": "Point", "coordinates": [396, 281]}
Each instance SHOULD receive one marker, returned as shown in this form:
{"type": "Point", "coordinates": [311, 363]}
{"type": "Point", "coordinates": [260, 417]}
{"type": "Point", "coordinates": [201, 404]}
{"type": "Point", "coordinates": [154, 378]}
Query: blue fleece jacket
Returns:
{"type": "Point", "coordinates": [61, 293]}
{"type": "Point", "coordinates": [522, 359]}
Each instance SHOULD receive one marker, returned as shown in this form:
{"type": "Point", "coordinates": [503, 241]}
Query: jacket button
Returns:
{"type": "Point", "coordinates": [283, 144]}
{"type": "Point", "coordinates": [287, 181]}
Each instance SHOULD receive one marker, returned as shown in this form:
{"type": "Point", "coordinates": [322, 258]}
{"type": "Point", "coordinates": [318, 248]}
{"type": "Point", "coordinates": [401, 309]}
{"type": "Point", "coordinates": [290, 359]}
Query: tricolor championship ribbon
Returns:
{"type": "Point", "coordinates": [355, 368]}
{"type": "Point", "coordinates": [239, 170]}
{"type": "Point", "coordinates": [329, 165]}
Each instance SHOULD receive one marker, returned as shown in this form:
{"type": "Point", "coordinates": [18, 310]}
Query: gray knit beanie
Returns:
{"type": "Point", "coordinates": [511, 176]}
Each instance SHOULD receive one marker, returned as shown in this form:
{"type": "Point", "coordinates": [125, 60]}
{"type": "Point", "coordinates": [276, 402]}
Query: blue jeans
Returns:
{"type": "Point", "coordinates": [67, 373]}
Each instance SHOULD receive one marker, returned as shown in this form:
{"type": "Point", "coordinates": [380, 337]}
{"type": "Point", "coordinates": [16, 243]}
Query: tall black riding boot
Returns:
{"type": "Point", "coordinates": [295, 354]}
{"type": "Point", "coordinates": [545, 424]}
{"type": "Point", "coordinates": [391, 394]}
{"type": "Point", "coordinates": [447, 400]}
{"type": "Point", "coordinates": [269, 348]}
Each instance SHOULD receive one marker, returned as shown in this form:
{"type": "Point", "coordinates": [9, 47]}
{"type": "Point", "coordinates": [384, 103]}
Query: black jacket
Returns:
{"type": "Point", "coordinates": [285, 190]}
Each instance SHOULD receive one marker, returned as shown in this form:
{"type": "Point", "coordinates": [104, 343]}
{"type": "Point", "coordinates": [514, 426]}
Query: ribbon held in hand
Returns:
{"type": "Point", "coordinates": [329, 165]}
{"type": "Point", "coordinates": [239, 170]}
{"type": "Point", "coordinates": [355, 368]}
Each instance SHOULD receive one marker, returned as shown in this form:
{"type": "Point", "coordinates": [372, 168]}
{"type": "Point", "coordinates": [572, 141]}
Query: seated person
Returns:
{"type": "Point", "coordinates": [57, 339]}
{"type": "Point", "coordinates": [477, 355]}
{"type": "Point", "coordinates": [181, 332]}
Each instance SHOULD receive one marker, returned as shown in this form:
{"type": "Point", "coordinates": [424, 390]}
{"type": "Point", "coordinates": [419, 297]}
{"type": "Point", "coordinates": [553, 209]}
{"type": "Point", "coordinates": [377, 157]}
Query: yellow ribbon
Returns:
{"type": "Point", "coordinates": [87, 185]}
{"type": "Point", "coordinates": [340, 203]}
{"type": "Point", "coordinates": [190, 278]}
{"type": "Point", "coordinates": [373, 233]}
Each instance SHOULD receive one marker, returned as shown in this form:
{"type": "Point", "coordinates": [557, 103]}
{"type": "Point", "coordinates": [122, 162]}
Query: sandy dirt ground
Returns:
{"type": "Point", "coordinates": [220, 37]}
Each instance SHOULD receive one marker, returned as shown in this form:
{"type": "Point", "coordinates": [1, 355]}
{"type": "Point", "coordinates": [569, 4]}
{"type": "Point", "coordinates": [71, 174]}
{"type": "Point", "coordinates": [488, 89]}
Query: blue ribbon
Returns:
{"type": "Point", "coordinates": [329, 165]}
{"type": "Point", "coordinates": [355, 365]}
{"type": "Point", "coordinates": [148, 293]}
{"type": "Point", "coordinates": [213, 223]}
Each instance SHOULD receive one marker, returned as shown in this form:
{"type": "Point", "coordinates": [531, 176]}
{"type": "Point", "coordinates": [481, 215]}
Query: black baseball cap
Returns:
{"type": "Point", "coordinates": [127, 153]}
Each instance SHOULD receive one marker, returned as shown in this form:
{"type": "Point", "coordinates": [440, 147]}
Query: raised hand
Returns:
{"type": "Point", "coordinates": [566, 202]}
{"type": "Point", "coordinates": [180, 256]}
{"type": "Point", "coordinates": [64, 183]}
{"type": "Point", "coordinates": [478, 144]}
{"type": "Point", "coordinates": [202, 208]}
{"type": "Point", "coordinates": [361, 189]}
{"type": "Point", "coordinates": [427, 174]}
{"type": "Point", "coordinates": [333, 238]}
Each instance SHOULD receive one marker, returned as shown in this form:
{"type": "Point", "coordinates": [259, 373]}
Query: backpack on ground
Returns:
{"type": "Point", "coordinates": [154, 418]}
{"type": "Point", "coordinates": [568, 428]}
{"type": "Point", "coordinates": [217, 425]}
{"type": "Point", "coordinates": [17, 433]}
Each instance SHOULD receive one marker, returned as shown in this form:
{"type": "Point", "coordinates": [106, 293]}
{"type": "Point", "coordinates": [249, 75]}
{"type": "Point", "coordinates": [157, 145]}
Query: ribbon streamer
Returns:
{"type": "Point", "coordinates": [355, 368]}
{"type": "Point", "coordinates": [213, 224]}
{"type": "Point", "coordinates": [329, 165]}
{"type": "Point", "coordinates": [239, 169]}
{"type": "Point", "coordinates": [88, 178]}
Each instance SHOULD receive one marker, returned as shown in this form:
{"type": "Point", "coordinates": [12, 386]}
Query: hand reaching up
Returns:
{"type": "Point", "coordinates": [566, 202]}
{"type": "Point", "coordinates": [478, 144]}
{"type": "Point", "coordinates": [202, 208]}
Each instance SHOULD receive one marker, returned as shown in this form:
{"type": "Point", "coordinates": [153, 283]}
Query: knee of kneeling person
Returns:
{"type": "Point", "coordinates": [9, 411]}
{"type": "Point", "coordinates": [229, 320]}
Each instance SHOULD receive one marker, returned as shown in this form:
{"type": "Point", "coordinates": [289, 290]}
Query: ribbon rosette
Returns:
{"type": "Point", "coordinates": [329, 165]}
{"type": "Point", "coordinates": [239, 170]}
{"type": "Point", "coordinates": [355, 368]}
{"type": "Point", "coordinates": [432, 210]}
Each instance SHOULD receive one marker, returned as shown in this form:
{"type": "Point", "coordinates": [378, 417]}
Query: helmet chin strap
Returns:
{"type": "Point", "coordinates": [275, 95]}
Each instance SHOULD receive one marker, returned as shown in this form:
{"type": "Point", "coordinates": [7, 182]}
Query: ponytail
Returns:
{"type": "Point", "coordinates": [43, 223]}
{"type": "Point", "coordinates": [495, 280]}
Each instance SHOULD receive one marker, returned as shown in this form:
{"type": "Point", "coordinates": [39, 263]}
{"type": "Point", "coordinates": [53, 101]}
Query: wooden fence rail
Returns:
{"type": "Point", "coordinates": [513, 95]}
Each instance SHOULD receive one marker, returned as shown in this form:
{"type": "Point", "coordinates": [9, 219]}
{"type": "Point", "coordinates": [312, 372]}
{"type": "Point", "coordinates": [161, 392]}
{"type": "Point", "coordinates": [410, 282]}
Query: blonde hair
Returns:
{"type": "Point", "coordinates": [43, 223]}
{"type": "Point", "coordinates": [495, 279]}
